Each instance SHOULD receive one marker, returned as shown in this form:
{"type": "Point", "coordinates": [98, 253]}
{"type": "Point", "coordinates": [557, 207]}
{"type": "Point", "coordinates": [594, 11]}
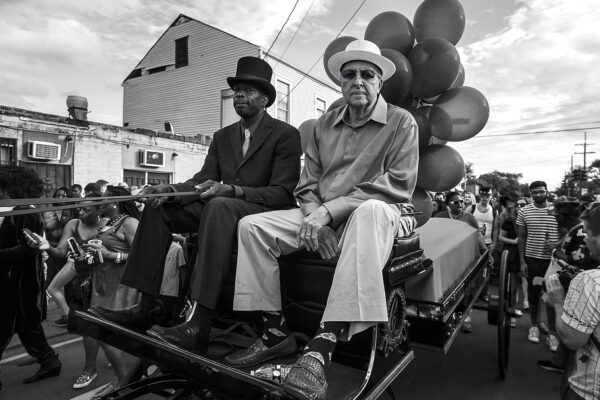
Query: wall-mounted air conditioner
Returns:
{"type": "Point", "coordinates": [151, 158]}
{"type": "Point", "coordinates": [43, 150]}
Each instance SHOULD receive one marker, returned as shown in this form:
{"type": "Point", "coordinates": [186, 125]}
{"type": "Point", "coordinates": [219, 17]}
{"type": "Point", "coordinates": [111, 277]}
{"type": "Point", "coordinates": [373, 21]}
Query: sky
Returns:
{"type": "Point", "coordinates": [533, 60]}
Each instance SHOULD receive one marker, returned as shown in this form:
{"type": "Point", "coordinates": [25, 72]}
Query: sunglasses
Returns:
{"type": "Point", "coordinates": [456, 202]}
{"type": "Point", "coordinates": [365, 74]}
{"type": "Point", "coordinates": [521, 205]}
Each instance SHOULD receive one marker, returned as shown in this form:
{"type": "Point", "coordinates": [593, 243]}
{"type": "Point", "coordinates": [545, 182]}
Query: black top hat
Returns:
{"type": "Point", "coordinates": [256, 71]}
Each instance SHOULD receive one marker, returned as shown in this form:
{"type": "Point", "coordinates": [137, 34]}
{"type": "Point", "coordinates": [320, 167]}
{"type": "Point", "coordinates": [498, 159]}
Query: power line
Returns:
{"type": "Point", "coordinates": [283, 26]}
{"type": "Point", "coordinates": [295, 33]}
{"type": "Point", "coordinates": [537, 132]}
{"type": "Point", "coordinates": [304, 75]}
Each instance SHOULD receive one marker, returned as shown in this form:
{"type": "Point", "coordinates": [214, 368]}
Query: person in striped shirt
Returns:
{"type": "Point", "coordinates": [537, 228]}
{"type": "Point", "coordinates": [578, 319]}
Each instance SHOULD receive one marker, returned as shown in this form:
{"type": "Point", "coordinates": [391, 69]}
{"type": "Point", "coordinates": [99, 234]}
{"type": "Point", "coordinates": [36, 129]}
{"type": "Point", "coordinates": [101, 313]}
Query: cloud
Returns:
{"type": "Point", "coordinates": [537, 74]}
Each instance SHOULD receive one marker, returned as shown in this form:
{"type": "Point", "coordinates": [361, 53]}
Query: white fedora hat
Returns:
{"type": "Point", "coordinates": [361, 50]}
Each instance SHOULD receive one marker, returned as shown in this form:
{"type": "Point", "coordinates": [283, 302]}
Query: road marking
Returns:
{"type": "Point", "coordinates": [54, 346]}
{"type": "Point", "coordinates": [90, 394]}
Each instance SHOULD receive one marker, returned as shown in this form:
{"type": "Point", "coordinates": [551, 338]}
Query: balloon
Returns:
{"type": "Point", "coordinates": [337, 103]}
{"type": "Point", "coordinates": [425, 109]}
{"type": "Point", "coordinates": [409, 101]}
{"type": "Point", "coordinates": [441, 19]}
{"type": "Point", "coordinates": [435, 64]}
{"type": "Point", "coordinates": [306, 129]}
{"type": "Point", "coordinates": [459, 114]}
{"type": "Point", "coordinates": [391, 30]}
{"type": "Point", "coordinates": [435, 140]}
{"type": "Point", "coordinates": [440, 168]}
{"type": "Point", "coordinates": [460, 77]}
{"type": "Point", "coordinates": [396, 88]}
{"type": "Point", "coordinates": [422, 202]}
{"type": "Point", "coordinates": [335, 46]}
{"type": "Point", "coordinates": [423, 124]}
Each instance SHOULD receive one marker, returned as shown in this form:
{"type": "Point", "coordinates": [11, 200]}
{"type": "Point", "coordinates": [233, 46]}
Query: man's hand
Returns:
{"type": "Point", "coordinates": [555, 291]}
{"type": "Point", "coordinates": [328, 243]}
{"type": "Point", "coordinates": [308, 235]}
{"type": "Point", "coordinates": [211, 189]}
{"type": "Point", "coordinates": [155, 201]}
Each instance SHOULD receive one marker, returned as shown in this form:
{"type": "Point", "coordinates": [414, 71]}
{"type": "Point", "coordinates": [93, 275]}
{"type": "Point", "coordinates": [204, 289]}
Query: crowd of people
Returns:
{"type": "Point", "coordinates": [349, 202]}
{"type": "Point", "coordinates": [541, 234]}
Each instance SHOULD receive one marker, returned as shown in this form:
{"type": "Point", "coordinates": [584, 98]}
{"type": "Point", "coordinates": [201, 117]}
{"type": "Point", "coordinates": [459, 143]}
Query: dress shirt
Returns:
{"type": "Point", "coordinates": [345, 165]}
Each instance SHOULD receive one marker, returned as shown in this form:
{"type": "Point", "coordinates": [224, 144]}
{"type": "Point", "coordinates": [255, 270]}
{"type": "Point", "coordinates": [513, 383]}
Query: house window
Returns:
{"type": "Point", "coordinates": [283, 101]}
{"type": "Point", "coordinates": [157, 69]}
{"type": "Point", "coordinates": [320, 107]}
{"type": "Point", "coordinates": [141, 178]}
{"type": "Point", "coordinates": [181, 52]}
{"type": "Point", "coordinates": [7, 151]}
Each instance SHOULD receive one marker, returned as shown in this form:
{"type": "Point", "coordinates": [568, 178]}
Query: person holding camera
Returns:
{"type": "Point", "coordinates": [578, 319]}
{"type": "Point", "coordinates": [22, 299]}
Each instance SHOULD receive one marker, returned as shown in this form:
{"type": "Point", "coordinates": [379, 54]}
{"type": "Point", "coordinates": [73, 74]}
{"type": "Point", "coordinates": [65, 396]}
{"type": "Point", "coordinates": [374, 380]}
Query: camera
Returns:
{"type": "Point", "coordinates": [565, 274]}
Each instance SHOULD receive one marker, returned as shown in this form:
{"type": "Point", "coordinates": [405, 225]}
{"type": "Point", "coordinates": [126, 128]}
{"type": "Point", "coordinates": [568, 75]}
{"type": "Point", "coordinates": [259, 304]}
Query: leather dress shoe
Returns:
{"type": "Point", "coordinates": [135, 316]}
{"type": "Point", "coordinates": [306, 380]}
{"type": "Point", "coordinates": [189, 335]}
{"type": "Point", "coordinates": [258, 353]}
{"type": "Point", "coordinates": [49, 368]}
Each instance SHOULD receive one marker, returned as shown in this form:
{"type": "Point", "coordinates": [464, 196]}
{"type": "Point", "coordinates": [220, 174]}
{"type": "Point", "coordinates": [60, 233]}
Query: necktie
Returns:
{"type": "Point", "coordinates": [247, 137]}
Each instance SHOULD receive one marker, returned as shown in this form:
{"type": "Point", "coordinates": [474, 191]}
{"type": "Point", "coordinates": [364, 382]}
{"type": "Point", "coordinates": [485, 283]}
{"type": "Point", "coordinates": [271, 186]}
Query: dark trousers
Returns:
{"type": "Point", "coordinates": [536, 268]}
{"type": "Point", "coordinates": [33, 340]}
{"type": "Point", "coordinates": [215, 222]}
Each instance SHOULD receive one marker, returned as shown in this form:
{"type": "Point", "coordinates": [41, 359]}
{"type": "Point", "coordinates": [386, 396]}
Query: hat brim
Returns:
{"type": "Point", "coordinates": [263, 84]}
{"type": "Point", "coordinates": [337, 60]}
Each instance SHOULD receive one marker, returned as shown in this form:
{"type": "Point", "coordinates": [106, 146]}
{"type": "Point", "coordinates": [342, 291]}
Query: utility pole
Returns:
{"type": "Point", "coordinates": [585, 153]}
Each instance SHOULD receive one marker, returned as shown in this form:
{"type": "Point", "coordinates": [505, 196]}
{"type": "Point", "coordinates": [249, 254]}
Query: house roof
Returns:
{"type": "Point", "coordinates": [182, 18]}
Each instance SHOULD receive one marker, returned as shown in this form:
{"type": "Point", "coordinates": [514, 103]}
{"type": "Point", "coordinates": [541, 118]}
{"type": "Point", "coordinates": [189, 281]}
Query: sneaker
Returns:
{"type": "Point", "coordinates": [549, 366]}
{"type": "Point", "coordinates": [513, 322]}
{"type": "Point", "coordinates": [552, 342]}
{"type": "Point", "coordinates": [534, 335]}
{"type": "Point", "coordinates": [518, 313]}
{"type": "Point", "coordinates": [543, 328]}
{"type": "Point", "coordinates": [61, 322]}
{"type": "Point", "coordinates": [467, 326]}
{"type": "Point", "coordinates": [84, 379]}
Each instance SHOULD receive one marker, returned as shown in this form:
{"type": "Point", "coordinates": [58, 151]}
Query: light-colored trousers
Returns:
{"type": "Point", "coordinates": [357, 294]}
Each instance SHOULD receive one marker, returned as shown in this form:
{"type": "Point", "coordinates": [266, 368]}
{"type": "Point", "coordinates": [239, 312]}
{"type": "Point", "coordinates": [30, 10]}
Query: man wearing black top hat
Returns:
{"type": "Point", "coordinates": [252, 166]}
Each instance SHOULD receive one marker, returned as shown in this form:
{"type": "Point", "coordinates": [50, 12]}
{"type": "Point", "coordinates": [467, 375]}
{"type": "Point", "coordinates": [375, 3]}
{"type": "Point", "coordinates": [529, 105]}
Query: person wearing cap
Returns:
{"type": "Point", "coordinates": [252, 166]}
{"type": "Point", "coordinates": [359, 175]}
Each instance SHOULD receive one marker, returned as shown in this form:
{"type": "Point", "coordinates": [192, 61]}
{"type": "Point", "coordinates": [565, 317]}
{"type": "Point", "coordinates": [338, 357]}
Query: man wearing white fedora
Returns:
{"type": "Point", "coordinates": [359, 175]}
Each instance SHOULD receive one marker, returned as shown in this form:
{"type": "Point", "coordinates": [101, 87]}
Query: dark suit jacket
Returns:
{"type": "Point", "coordinates": [269, 172]}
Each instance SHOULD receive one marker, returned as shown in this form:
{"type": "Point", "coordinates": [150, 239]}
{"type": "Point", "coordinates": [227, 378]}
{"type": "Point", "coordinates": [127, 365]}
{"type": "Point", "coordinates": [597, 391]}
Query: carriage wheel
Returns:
{"type": "Point", "coordinates": [503, 314]}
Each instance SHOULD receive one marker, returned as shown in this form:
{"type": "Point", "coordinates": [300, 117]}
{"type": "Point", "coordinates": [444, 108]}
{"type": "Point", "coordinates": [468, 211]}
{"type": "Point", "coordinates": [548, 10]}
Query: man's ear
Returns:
{"type": "Point", "coordinates": [265, 101]}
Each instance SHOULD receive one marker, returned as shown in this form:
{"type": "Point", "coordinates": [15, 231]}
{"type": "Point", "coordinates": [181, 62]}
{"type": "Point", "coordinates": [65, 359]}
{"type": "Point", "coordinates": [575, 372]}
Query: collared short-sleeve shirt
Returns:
{"type": "Point", "coordinates": [581, 311]}
{"type": "Point", "coordinates": [345, 165]}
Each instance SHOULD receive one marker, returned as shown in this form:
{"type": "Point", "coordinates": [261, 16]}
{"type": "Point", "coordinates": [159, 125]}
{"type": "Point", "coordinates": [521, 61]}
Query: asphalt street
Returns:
{"type": "Point", "coordinates": [468, 371]}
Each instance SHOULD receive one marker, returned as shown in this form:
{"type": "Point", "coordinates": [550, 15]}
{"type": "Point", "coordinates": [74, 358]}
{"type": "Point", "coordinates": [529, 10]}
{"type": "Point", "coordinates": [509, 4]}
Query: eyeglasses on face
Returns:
{"type": "Point", "coordinates": [484, 195]}
{"type": "Point", "coordinates": [521, 205]}
{"type": "Point", "coordinates": [456, 202]}
{"type": "Point", "coordinates": [365, 74]}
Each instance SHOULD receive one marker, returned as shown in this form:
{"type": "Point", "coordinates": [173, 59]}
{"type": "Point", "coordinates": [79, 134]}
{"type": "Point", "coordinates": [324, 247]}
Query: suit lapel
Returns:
{"type": "Point", "coordinates": [236, 142]}
{"type": "Point", "coordinates": [263, 130]}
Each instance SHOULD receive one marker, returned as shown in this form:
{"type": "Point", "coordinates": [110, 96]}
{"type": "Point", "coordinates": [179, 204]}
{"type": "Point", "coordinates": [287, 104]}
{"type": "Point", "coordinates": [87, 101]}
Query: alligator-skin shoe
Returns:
{"type": "Point", "coordinates": [258, 353]}
{"type": "Point", "coordinates": [190, 335]}
{"type": "Point", "coordinates": [134, 317]}
{"type": "Point", "coordinates": [306, 380]}
{"type": "Point", "coordinates": [48, 368]}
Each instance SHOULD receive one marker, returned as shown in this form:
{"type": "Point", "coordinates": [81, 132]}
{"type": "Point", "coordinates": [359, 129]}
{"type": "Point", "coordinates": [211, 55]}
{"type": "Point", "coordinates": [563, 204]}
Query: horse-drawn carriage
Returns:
{"type": "Point", "coordinates": [432, 280]}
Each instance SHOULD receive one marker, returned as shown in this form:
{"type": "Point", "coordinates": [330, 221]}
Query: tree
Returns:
{"type": "Point", "coordinates": [470, 177]}
{"type": "Point", "coordinates": [503, 182]}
